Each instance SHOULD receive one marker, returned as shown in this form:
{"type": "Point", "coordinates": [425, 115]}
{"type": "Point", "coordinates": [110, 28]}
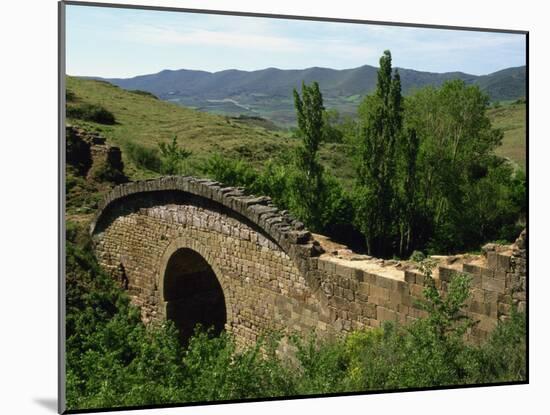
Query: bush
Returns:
{"type": "Point", "coordinates": [91, 112]}
{"type": "Point", "coordinates": [83, 196]}
{"type": "Point", "coordinates": [144, 157]}
{"type": "Point", "coordinates": [230, 172]}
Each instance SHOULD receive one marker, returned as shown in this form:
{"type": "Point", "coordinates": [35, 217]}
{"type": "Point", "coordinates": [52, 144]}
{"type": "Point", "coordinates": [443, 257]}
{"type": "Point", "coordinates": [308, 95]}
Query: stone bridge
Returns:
{"type": "Point", "coordinates": [194, 251]}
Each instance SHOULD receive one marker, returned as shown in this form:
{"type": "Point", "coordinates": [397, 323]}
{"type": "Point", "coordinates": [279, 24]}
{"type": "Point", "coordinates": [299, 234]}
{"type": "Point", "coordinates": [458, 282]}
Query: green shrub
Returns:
{"type": "Point", "coordinates": [417, 256]}
{"type": "Point", "coordinates": [230, 172]}
{"type": "Point", "coordinates": [172, 157]}
{"type": "Point", "coordinates": [90, 112]}
{"type": "Point", "coordinates": [82, 195]}
{"type": "Point", "coordinates": [286, 185]}
{"type": "Point", "coordinates": [143, 157]}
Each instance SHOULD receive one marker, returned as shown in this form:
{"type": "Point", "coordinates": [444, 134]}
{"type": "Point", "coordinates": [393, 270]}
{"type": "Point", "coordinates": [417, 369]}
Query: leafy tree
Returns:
{"type": "Point", "coordinates": [455, 158]}
{"type": "Point", "coordinates": [445, 319]}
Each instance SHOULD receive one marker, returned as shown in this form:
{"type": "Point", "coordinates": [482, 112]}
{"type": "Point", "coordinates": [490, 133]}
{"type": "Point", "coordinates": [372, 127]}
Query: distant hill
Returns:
{"type": "Point", "coordinates": [502, 85]}
{"type": "Point", "coordinates": [508, 84]}
{"type": "Point", "coordinates": [268, 92]}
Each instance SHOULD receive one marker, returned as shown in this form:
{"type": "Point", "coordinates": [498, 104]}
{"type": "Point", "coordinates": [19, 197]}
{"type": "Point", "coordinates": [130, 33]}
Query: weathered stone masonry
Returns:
{"type": "Point", "coordinates": [274, 274]}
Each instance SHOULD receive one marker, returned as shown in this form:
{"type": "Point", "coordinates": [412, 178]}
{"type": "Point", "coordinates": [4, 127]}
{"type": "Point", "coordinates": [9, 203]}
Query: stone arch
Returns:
{"type": "Point", "coordinates": [204, 274]}
{"type": "Point", "coordinates": [284, 230]}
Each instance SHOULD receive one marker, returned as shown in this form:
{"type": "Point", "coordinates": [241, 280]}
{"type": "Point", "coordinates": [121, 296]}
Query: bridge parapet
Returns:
{"type": "Point", "coordinates": [285, 230]}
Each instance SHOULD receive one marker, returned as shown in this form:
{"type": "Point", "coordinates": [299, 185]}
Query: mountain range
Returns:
{"type": "Point", "coordinates": [268, 92]}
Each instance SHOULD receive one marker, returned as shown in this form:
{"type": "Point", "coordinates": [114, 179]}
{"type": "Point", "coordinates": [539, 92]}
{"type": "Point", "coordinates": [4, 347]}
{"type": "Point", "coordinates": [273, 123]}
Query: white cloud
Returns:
{"type": "Point", "coordinates": [200, 37]}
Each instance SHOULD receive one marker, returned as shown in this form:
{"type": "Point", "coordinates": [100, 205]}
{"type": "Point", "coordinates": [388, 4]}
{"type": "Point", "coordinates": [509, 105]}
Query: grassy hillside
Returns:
{"type": "Point", "coordinates": [511, 119]}
{"type": "Point", "coordinates": [145, 120]}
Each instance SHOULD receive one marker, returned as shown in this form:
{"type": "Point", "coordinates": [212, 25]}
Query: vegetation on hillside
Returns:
{"type": "Point", "coordinates": [143, 121]}
{"type": "Point", "coordinates": [511, 119]}
{"type": "Point", "coordinates": [90, 112]}
{"type": "Point", "coordinates": [409, 174]}
{"type": "Point", "coordinates": [426, 176]}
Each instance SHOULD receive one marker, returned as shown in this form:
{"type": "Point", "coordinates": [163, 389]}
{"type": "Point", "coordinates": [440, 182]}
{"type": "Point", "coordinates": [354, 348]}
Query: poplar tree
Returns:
{"type": "Point", "coordinates": [381, 118]}
{"type": "Point", "coordinates": [308, 182]}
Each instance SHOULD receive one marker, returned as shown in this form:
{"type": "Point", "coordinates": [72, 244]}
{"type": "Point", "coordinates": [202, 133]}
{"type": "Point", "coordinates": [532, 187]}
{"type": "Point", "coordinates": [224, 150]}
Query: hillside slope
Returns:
{"type": "Point", "coordinates": [145, 120]}
{"type": "Point", "coordinates": [511, 119]}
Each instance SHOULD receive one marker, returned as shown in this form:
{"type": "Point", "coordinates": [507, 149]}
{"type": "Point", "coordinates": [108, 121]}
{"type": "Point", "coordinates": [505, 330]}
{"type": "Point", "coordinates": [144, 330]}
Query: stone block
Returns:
{"type": "Point", "coordinates": [416, 290]}
{"type": "Point", "coordinates": [384, 282]}
{"type": "Point", "coordinates": [410, 277]}
{"type": "Point", "coordinates": [385, 314]}
{"type": "Point", "coordinates": [369, 310]}
{"type": "Point", "coordinates": [396, 299]}
{"type": "Point", "coordinates": [328, 288]}
{"type": "Point", "coordinates": [363, 288]}
{"type": "Point", "coordinates": [471, 269]}
{"type": "Point", "coordinates": [379, 292]}
{"type": "Point", "coordinates": [503, 262]}
{"type": "Point", "coordinates": [446, 274]}
{"type": "Point", "coordinates": [369, 278]}
{"type": "Point", "coordinates": [504, 308]}
{"type": "Point", "coordinates": [500, 275]}
{"type": "Point", "coordinates": [486, 323]}
{"type": "Point", "coordinates": [349, 295]}
{"type": "Point", "coordinates": [492, 260]}
{"type": "Point", "coordinates": [359, 275]}
{"type": "Point", "coordinates": [492, 284]}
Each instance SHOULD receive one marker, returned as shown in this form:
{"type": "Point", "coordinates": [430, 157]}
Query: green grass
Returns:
{"type": "Point", "coordinates": [145, 120]}
{"type": "Point", "coordinates": [511, 119]}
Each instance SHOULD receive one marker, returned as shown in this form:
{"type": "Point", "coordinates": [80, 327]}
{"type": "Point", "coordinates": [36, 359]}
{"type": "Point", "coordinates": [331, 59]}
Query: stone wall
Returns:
{"type": "Point", "coordinates": [364, 292]}
{"type": "Point", "coordinates": [275, 274]}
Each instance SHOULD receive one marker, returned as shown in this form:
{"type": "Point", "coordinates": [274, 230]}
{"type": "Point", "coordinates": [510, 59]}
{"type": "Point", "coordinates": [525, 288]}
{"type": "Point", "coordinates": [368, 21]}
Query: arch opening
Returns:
{"type": "Point", "coordinates": [193, 294]}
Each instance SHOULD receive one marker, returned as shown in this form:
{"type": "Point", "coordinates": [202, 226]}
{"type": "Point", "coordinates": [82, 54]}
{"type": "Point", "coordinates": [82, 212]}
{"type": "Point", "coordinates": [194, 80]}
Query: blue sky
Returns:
{"type": "Point", "coordinates": [112, 42]}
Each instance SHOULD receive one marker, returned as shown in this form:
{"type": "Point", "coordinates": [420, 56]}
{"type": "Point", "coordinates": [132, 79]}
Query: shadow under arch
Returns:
{"type": "Point", "coordinates": [191, 291]}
